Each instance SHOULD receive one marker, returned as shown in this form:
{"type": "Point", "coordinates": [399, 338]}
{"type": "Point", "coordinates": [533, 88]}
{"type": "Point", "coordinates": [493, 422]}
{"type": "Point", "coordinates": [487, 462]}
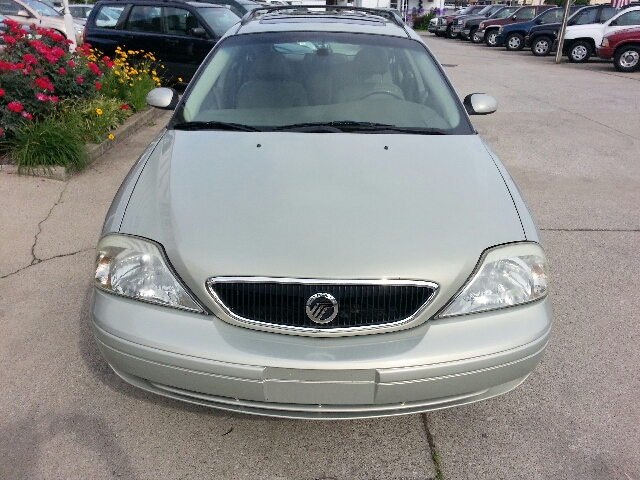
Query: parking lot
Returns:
{"type": "Point", "coordinates": [569, 135]}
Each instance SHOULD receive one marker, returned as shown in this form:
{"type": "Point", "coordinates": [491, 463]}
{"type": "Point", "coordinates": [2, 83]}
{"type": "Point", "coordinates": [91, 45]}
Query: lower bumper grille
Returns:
{"type": "Point", "coordinates": [284, 302]}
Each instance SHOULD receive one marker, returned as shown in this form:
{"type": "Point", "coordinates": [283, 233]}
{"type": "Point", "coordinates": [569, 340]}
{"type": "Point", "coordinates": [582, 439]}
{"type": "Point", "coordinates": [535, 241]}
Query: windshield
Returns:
{"type": "Point", "coordinates": [486, 9]}
{"type": "Point", "coordinates": [42, 9]}
{"type": "Point", "coordinates": [219, 19]}
{"type": "Point", "coordinates": [504, 13]}
{"type": "Point", "coordinates": [273, 80]}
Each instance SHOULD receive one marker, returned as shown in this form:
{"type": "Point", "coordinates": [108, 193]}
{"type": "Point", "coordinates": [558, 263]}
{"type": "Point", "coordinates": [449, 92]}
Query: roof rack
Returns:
{"type": "Point", "coordinates": [386, 14]}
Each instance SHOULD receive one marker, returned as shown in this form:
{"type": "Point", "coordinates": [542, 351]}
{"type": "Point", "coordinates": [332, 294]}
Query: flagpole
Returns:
{"type": "Point", "coordinates": [69, 27]}
{"type": "Point", "coordinates": [563, 29]}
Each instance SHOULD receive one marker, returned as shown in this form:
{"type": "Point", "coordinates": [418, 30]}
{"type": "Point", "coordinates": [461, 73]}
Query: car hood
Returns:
{"type": "Point", "coordinates": [323, 206]}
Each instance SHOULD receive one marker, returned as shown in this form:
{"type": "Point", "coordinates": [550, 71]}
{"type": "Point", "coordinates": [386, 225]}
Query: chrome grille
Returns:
{"type": "Point", "coordinates": [281, 302]}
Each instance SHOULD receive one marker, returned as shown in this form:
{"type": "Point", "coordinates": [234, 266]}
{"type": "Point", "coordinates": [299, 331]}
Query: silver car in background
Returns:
{"type": "Point", "coordinates": [320, 232]}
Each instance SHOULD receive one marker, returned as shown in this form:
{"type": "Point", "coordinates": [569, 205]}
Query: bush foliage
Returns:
{"type": "Point", "coordinates": [80, 96]}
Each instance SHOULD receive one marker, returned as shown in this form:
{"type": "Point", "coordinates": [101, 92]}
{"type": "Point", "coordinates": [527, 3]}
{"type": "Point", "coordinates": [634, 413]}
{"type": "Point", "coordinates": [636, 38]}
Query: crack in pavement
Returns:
{"type": "Point", "coordinates": [432, 448]}
{"type": "Point", "coordinates": [62, 255]}
{"type": "Point", "coordinates": [35, 260]}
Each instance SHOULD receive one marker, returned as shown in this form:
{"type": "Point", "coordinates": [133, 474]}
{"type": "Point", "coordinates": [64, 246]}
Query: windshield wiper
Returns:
{"type": "Point", "coordinates": [216, 126]}
{"type": "Point", "coordinates": [357, 127]}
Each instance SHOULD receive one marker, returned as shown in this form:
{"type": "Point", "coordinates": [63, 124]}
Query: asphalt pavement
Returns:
{"type": "Point", "coordinates": [569, 135]}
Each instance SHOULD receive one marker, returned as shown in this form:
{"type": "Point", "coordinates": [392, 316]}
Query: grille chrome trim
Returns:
{"type": "Point", "coordinates": [233, 318]}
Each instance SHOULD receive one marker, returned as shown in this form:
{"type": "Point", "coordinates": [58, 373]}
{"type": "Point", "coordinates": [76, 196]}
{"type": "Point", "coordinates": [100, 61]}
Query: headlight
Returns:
{"type": "Point", "coordinates": [500, 30]}
{"type": "Point", "coordinates": [136, 268]}
{"type": "Point", "coordinates": [508, 275]}
{"type": "Point", "coordinates": [481, 27]}
{"type": "Point", "coordinates": [605, 42]}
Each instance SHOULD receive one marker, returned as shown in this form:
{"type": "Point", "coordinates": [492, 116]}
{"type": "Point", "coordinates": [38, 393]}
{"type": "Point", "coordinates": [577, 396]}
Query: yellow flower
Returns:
{"type": "Point", "coordinates": [161, 66]}
{"type": "Point", "coordinates": [111, 137]}
{"type": "Point", "coordinates": [179, 79]}
{"type": "Point", "coordinates": [98, 111]}
{"type": "Point", "coordinates": [139, 79]}
{"type": "Point", "coordinates": [131, 84]}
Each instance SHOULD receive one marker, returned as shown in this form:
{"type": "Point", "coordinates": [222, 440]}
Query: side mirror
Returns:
{"type": "Point", "coordinates": [614, 23]}
{"type": "Point", "coordinates": [165, 98]}
{"type": "Point", "coordinates": [23, 13]}
{"type": "Point", "coordinates": [199, 32]}
{"type": "Point", "coordinates": [480, 104]}
{"type": "Point", "coordinates": [514, 17]}
{"type": "Point", "coordinates": [538, 22]}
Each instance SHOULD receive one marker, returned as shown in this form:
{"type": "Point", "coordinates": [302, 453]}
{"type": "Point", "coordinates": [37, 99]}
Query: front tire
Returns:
{"type": "Point", "coordinates": [473, 36]}
{"type": "Point", "coordinates": [514, 42]}
{"type": "Point", "coordinates": [541, 46]}
{"type": "Point", "coordinates": [579, 52]}
{"type": "Point", "coordinates": [627, 59]}
{"type": "Point", "coordinates": [490, 38]}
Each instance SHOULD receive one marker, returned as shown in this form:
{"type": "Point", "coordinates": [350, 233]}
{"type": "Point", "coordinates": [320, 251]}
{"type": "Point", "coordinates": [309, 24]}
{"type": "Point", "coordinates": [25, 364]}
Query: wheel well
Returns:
{"type": "Point", "coordinates": [625, 45]}
{"type": "Point", "coordinates": [589, 40]}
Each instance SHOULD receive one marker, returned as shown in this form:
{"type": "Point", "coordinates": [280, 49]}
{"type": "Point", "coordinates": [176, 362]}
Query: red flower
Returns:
{"type": "Point", "coordinates": [15, 107]}
{"type": "Point", "coordinates": [124, 106]}
{"type": "Point", "coordinates": [71, 63]}
{"type": "Point", "coordinates": [62, 71]}
{"type": "Point", "coordinates": [98, 86]}
{"type": "Point", "coordinates": [53, 99]}
{"type": "Point", "coordinates": [1, 132]}
{"type": "Point", "coordinates": [42, 97]}
{"type": "Point", "coordinates": [1, 92]}
{"type": "Point", "coordinates": [45, 84]}
{"type": "Point", "coordinates": [9, 40]}
{"type": "Point", "coordinates": [94, 68]}
{"type": "Point", "coordinates": [20, 65]}
{"type": "Point", "coordinates": [58, 52]}
{"type": "Point", "coordinates": [51, 58]}
{"type": "Point", "coordinates": [79, 79]}
{"type": "Point", "coordinates": [29, 59]}
{"type": "Point", "coordinates": [28, 116]}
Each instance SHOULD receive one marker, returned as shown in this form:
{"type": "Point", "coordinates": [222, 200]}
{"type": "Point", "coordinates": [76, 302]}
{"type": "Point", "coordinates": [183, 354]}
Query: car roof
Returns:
{"type": "Point", "coordinates": [323, 18]}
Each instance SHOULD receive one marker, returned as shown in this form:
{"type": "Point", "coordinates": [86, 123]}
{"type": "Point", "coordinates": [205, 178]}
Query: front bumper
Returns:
{"type": "Point", "coordinates": [203, 360]}
{"type": "Point", "coordinates": [480, 34]}
{"type": "Point", "coordinates": [606, 52]}
{"type": "Point", "coordinates": [441, 28]}
{"type": "Point", "coordinates": [456, 29]}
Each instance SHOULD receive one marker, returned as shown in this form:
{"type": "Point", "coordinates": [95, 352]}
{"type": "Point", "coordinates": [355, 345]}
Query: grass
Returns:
{"type": "Point", "coordinates": [48, 143]}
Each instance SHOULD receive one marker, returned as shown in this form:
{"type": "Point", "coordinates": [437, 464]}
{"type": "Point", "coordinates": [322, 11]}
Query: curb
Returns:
{"type": "Point", "coordinates": [95, 151]}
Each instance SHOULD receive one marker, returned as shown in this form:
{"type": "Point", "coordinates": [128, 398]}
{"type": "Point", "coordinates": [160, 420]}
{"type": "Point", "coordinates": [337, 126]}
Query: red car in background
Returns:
{"type": "Point", "coordinates": [624, 47]}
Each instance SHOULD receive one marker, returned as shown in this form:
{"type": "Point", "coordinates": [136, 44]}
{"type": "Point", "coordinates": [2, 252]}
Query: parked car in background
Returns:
{"type": "Point", "coordinates": [419, 284]}
{"type": "Point", "coordinates": [80, 11]}
{"type": "Point", "coordinates": [444, 24]}
{"type": "Point", "coordinates": [179, 34]}
{"type": "Point", "coordinates": [541, 38]}
{"type": "Point", "coordinates": [581, 41]}
{"type": "Point", "coordinates": [33, 12]}
{"type": "Point", "coordinates": [488, 29]}
{"type": "Point", "coordinates": [513, 36]}
{"type": "Point", "coordinates": [239, 7]}
{"type": "Point", "coordinates": [624, 48]}
{"type": "Point", "coordinates": [486, 12]}
{"type": "Point", "coordinates": [471, 23]}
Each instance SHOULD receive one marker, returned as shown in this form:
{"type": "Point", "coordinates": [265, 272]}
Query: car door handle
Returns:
{"type": "Point", "coordinates": [172, 42]}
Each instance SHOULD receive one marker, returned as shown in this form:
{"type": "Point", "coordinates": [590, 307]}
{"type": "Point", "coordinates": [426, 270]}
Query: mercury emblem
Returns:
{"type": "Point", "coordinates": [322, 308]}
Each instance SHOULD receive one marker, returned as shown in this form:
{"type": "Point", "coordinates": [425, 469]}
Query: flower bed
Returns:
{"type": "Point", "coordinates": [53, 102]}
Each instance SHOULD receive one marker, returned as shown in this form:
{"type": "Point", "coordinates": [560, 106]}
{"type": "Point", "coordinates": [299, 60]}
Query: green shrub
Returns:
{"type": "Point", "coordinates": [47, 143]}
{"type": "Point", "coordinates": [421, 22]}
{"type": "Point", "coordinates": [93, 118]}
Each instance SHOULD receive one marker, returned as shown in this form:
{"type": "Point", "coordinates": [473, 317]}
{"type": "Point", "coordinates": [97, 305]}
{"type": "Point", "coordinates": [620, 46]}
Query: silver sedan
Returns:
{"type": "Point", "coordinates": [320, 232]}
